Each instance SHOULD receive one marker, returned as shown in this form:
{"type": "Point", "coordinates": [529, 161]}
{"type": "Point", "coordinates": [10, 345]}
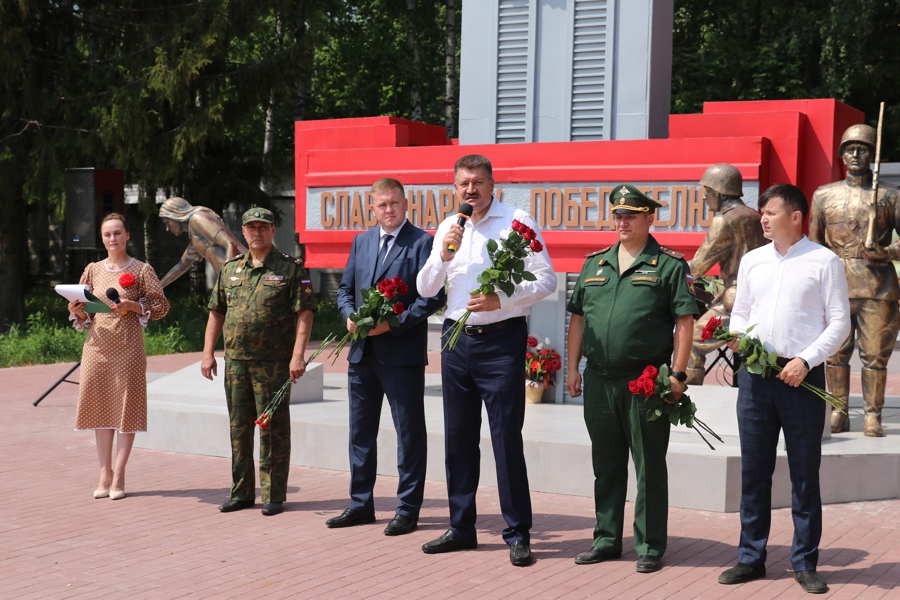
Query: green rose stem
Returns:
{"type": "Point", "coordinates": [759, 361]}
{"type": "Point", "coordinates": [278, 398]}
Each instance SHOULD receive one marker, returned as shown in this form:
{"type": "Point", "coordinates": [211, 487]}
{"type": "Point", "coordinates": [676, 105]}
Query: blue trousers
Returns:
{"type": "Point", "coordinates": [765, 406]}
{"type": "Point", "coordinates": [489, 366]}
{"type": "Point", "coordinates": [368, 383]}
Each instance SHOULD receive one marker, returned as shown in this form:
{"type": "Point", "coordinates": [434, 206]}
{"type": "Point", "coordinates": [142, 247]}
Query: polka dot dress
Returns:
{"type": "Point", "coordinates": [113, 390]}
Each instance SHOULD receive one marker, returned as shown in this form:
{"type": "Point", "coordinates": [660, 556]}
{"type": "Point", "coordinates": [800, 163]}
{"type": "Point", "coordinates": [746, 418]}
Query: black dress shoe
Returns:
{"type": "Point", "coordinates": [233, 505]}
{"type": "Point", "coordinates": [449, 542]}
{"type": "Point", "coordinates": [272, 508]}
{"type": "Point", "coordinates": [400, 525]}
{"type": "Point", "coordinates": [811, 582]}
{"type": "Point", "coordinates": [594, 556]}
{"type": "Point", "coordinates": [349, 518]}
{"type": "Point", "coordinates": [520, 554]}
{"type": "Point", "coordinates": [742, 573]}
{"type": "Point", "coordinates": [648, 564]}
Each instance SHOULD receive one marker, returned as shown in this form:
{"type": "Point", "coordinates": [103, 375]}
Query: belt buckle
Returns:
{"type": "Point", "coordinates": [473, 329]}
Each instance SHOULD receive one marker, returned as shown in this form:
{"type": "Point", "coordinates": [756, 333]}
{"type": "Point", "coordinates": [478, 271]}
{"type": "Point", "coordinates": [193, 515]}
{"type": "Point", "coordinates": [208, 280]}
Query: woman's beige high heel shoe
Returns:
{"type": "Point", "coordinates": [101, 493]}
{"type": "Point", "coordinates": [116, 494]}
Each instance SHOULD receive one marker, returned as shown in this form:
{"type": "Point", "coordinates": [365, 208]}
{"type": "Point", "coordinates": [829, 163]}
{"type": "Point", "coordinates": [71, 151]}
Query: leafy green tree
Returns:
{"type": "Point", "coordinates": [766, 50]}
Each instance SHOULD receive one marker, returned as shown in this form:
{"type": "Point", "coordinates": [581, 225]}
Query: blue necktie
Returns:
{"type": "Point", "coordinates": [382, 252]}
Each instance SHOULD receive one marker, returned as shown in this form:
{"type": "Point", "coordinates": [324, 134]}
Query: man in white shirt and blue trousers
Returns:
{"type": "Point", "coordinates": [794, 292]}
{"type": "Point", "coordinates": [487, 363]}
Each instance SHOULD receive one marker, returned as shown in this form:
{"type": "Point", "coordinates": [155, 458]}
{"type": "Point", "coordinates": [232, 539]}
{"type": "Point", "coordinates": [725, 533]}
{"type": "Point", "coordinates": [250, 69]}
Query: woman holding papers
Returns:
{"type": "Point", "coordinates": [113, 394]}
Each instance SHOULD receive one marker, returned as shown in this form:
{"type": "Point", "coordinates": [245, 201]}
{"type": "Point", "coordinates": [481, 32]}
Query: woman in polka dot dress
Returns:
{"type": "Point", "coordinates": [113, 391]}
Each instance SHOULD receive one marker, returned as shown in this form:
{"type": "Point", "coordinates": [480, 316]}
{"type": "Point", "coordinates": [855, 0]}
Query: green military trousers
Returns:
{"type": "Point", "coordinates": [249, 385]}
{"type": "Point", "coordinates": [616, 422]}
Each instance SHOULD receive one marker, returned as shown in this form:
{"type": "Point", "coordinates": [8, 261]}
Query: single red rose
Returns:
{"type": "Point", "coordinates": [390, 292]}
{"type": "Point", "coordinates": [546, 365]}
{"type": "Point", "coordinates": [397, 281]}
{"type": "Point", "coordinates": [650, 372]}
{"type": "Point", "coordinates": [635, 387]}
{"type": "Point", "coordinates": [516, 225]}
{"type": "Point", "coordinates": [529, 356]}
{"type": "Point", "coordinates": [126, 280]}
{"type": "Point", "coordinates": [381, 286]}
{"type": "Point", "coordinates": [399, 308]}
{"type": "Point", "coordinates": [529, 234]}
{"type": "Point", "coordinates": [532, 342]}
{"type": "Point", "coordinates": [535, 366]}
{"type": "Point", "coordinates": [649, 387]}
{"type": "Point", "coordinates": [710, 329]}
{"type": "Point", "coordinates": [403, 289]}
{"type": "Point", "coordinates": [557, 364]}
{"type": "Point", "coordinates": [536, 246]}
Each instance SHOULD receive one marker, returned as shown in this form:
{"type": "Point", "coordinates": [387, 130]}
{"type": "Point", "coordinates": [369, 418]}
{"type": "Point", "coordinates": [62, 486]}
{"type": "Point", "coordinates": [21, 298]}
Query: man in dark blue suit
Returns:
{"type": "Point", "coordinates": [389, 361]}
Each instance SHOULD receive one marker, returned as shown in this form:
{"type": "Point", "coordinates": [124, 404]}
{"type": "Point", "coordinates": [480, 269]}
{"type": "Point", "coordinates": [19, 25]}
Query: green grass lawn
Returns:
{"type": "Point", "coordinates": [48, 336]}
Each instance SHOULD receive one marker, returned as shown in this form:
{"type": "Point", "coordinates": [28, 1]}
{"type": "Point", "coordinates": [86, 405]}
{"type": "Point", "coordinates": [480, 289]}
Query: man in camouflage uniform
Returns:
{"type": "Point", "coordinates": [265, 303]}
{"type": "Point", "coordinates": [840, 221]}
{"type": "Point", "coordinates": [734, 232]}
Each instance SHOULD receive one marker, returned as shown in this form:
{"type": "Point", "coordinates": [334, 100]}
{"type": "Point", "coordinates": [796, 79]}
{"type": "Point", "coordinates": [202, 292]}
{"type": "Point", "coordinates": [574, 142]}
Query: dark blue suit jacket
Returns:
{"type": "Point", "coordinates": [405, 345]}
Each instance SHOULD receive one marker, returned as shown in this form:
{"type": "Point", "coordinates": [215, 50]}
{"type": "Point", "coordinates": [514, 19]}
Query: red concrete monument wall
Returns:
{"type": "Point", "coordinates": [564, 184]}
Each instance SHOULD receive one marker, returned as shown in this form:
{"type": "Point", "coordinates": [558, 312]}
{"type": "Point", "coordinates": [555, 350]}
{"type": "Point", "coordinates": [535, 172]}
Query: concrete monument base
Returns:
{"type": "Point", "coordinates": [187, 413]}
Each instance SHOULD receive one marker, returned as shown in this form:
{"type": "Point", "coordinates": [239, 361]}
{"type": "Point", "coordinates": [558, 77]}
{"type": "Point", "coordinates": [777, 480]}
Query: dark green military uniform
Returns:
{"type": "Point", "coordinates": [260, 305]}
{"type": "Point", "coordinates": [629, 320]}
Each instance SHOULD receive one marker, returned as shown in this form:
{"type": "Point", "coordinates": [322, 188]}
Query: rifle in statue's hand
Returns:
{"type": "Point", "coordinates": [873, 202]}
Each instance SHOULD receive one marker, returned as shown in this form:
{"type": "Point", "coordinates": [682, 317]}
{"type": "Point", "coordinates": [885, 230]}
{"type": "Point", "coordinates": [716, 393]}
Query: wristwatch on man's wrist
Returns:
{"type": "Point", "coordinates": [679, 375]}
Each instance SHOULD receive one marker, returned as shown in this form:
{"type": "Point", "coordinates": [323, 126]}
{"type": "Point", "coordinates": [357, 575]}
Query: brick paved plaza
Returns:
{"type": "Point", "coordinates": [167, 540]}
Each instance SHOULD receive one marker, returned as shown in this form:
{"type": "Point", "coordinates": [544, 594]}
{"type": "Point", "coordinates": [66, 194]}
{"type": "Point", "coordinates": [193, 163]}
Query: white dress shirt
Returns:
{"type": "Point", "coordinates": [471, 259]}
{"type": "Point", "coordinates": [798, 302]}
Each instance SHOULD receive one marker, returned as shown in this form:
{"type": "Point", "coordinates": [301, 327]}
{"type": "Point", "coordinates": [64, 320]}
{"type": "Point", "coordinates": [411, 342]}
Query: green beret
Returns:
{"type": "Point", "coordinates": [258, 214]}
{"type": "Point", "coordinates": [626, 198]}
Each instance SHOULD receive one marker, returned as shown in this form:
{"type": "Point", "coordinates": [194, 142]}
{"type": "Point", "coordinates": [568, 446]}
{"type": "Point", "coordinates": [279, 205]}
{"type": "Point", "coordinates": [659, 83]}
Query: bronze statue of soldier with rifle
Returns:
{"type": "Point", "coordinates": [847, 219]}
{"type": "Point", "coordinates": [734, 231]}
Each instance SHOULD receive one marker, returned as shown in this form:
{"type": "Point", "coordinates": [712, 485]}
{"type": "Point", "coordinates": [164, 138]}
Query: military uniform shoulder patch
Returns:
{"type": "Point", "coordinates": [670, 252]}
{"type": "Point", "coordinates": [293, 259]}
{"type": "Point", "coordinates": [601, 251]}
{"type": "Point", "coordinates": [238, 257]}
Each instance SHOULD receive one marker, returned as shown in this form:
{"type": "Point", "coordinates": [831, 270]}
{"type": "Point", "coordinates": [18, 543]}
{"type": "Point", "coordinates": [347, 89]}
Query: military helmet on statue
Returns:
{"type": "Point", "coordinates": [725, 179]}
{"type": "Point", "coordinates": [858, 133]}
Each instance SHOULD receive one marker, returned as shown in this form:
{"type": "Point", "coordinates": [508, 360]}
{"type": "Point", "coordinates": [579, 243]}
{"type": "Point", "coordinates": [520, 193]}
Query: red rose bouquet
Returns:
{"type": "Point", "coordinates": [379, 303]}
{"type": "Point", "coordinates": [507, 269]}
{"type": "Point", "coordinates": [758, 360]}
{"type": "Point", "coordinates": [266, 417]}
{"type": "Point", "coordinates": [541, 363]}
{"type": "Point", "coordinates": [655, 387]}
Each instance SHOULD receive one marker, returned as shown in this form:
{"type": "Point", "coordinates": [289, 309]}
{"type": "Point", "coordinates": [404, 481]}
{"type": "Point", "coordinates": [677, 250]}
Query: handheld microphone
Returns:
{"type": "Point", "coordinates": [113, 295]}
{"type": "Point", "coordinates": [465, 211]}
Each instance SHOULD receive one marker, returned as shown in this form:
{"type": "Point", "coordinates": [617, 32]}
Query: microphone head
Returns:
{"type": "Point", "coordinates": [113, 295]}
{"type": "Point", "coordinates": [465, 209]}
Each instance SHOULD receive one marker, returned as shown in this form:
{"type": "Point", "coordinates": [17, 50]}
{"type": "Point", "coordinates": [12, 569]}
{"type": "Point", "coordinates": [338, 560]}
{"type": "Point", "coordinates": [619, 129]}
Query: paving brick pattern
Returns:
{"type": "Point", "coordinates": [167, 540]}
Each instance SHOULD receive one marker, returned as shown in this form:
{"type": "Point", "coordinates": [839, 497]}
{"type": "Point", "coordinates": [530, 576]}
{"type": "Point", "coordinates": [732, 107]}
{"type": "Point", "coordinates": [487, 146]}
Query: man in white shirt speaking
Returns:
{"type": "Point", "coordinates": [795, 294]}
{"type": "Point", "coordinates": [488, 360]}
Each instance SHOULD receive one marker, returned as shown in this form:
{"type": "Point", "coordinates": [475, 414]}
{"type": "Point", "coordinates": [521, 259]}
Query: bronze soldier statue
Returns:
{"type": "Point", "coordinates": [734, 231]}
{"type": "Point", "coordinates": [840, 221]}
{"type": "Point", "coordinates": [210, 238]}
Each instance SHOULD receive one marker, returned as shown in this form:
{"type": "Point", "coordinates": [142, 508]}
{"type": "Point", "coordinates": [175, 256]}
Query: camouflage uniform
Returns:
{"type": "Point", "coordinates": [260, 305]}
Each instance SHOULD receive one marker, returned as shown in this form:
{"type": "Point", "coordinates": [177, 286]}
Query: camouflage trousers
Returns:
{"type": "Point", "coordinates": [249, 384]}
